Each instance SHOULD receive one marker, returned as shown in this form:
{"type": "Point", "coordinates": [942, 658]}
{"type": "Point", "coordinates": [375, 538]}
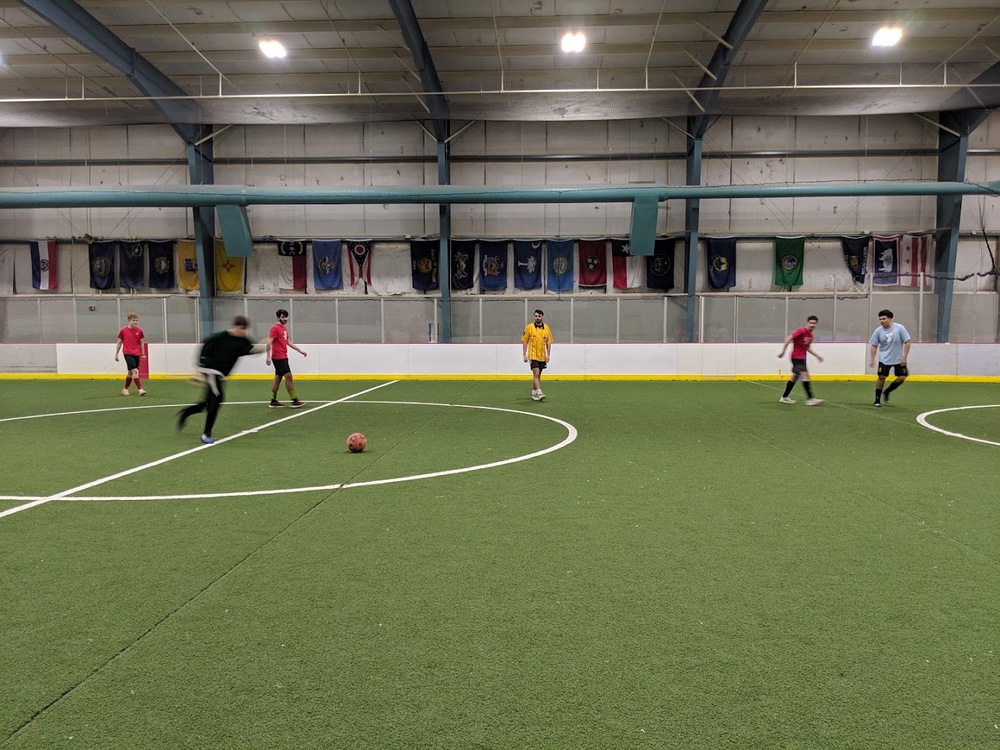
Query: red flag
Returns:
{"type": "Point", "coordinates": [593, 262]}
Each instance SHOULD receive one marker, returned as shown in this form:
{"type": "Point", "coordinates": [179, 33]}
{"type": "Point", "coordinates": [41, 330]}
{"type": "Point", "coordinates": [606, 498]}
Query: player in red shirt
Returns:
{"type": "Point", "coordinates": [130, 339]}
{"type": "Point", "coordinates": [801, 340]}
{"type": "Point", "coordinates": [277, 352]}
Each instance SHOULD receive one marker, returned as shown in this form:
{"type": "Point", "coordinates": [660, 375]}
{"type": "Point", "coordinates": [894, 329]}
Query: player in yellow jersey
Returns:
{"type": "Point", "coordinates": [537, 349]}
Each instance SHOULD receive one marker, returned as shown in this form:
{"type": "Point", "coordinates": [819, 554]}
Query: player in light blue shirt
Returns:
{"type": "Point", "coordinates": [891, 343]}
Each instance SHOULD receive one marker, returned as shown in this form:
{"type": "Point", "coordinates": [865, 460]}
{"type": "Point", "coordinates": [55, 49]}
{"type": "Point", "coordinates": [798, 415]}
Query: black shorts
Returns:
{"type": "Point", "coordinates": [132, 361]}
{"type": "Point", "coordinates": [884, 370]}
{"type": "Point", "coordinates": [799, 366]}
{"type": "Point", "coordinates": [537, 364]}
{"type": "Point", "coordinates": [281, 367]}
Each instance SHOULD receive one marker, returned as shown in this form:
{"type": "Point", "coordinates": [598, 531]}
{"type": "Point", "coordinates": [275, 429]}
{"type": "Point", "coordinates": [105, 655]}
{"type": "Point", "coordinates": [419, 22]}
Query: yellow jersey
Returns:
{"type": "Point", "coordinates": [537, 340]}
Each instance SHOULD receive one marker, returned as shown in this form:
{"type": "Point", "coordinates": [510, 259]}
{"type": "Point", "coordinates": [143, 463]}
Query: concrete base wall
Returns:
{"type": "Point", "coordinates": [655, 361]}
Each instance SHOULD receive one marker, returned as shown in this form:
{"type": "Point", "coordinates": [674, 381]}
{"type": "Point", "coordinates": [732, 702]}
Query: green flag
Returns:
{"type": "Point", "coordinates": [788, 255]}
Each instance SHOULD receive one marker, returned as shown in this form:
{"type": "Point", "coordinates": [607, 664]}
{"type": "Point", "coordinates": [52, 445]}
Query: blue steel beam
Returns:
{"type": "Point", "coordinates": [414, 37]}
{"type": "Point", "coordinates": [201, 168]}
{"type": "Point", "coordinates": [437, 103]}
{"type": "Point", "coordinates": [707, 97]}
{"type": "Point", "coordinates": [182, 113]}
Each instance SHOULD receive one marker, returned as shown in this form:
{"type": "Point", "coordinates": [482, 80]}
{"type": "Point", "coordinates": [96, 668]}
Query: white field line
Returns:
{"type": "Point", "coordinates": [571, 436]}
{"type": "Point", "coordinates": [922, 419]}
{"type": "Point", "coordinates": [182, 454]}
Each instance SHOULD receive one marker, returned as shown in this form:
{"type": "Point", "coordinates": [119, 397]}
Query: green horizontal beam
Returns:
{"type": "Point", "coordinates": [222, 195]}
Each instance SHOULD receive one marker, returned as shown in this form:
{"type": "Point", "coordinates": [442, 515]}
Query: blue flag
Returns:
{"type": "Point", "coordinates": [424, 261]}
{"type": "Point", "coordinates": [492, 265]}
{"type": "Point", "coordinates": [527, 264]}
{"type": "Point", "coordinates": [660, 266]}
{"type": "Point", "coordinates": [560, 265]}
{"type": "Point", "coordinates": [463, 263]}
{"type": "Point", "coordinates": [161, 265]}
{"type": "Point", "coordinates": [131, 265]}
{"type": "Point", "coordinates": [721, 257]}
{"type": "Point", "coordinates": [102, 264]}
{"type": "Point", "coordinates": [326, 265]}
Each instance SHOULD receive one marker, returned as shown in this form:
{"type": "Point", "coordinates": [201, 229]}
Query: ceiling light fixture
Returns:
{"type": "Point", "coordinates": [272, 48]}
{"type": "Point", "coordinates": [887, 36]}
{"type": "Point", "coordinates": [574, 41]}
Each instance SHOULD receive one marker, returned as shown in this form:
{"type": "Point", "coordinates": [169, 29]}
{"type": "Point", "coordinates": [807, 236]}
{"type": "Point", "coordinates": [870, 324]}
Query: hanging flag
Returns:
{"type": "Point", "coordinates": [228, 270]}
{"type": "Point", "coordinates": [721, 257]}
{"type": "Point", "coordinates": [885, 261]}
{"type": "Point", "coordinates": [161, 265]}
{"type": "Point", "coordinates": [626, 269]}
{"type": "Point", "coordinates": [187, 265]}
{"type": "Point", "coordinates": [391, 275]}
{"type": "Point", "coordinates": [131, 264]}
{"type": "Point", "coordinates": [6, 271]}
{"type": "Point", "coordinates": [292, 271]}
{"type": "Point", "coordinates": [527, 264]}
{"type": "Point", "coordinates": [424, 264]}
{"type": "Point", "coordinates": [593, 263]}
{"type": "Point", "coordinates": [856, 256]}
{"type": "Point", "coordinates": [327, 272]}
{"type": "Point", "coordinates": [102, 264]}
{"type": "Point", "coordinates": [660, 266]}
{"type": "Point", "coordinates": [359, 258]}
{"type": "Point", "coordinates": [463, 264]}
{"type": "Point", "coordinates": [789, 254]}
{"type": "Point", "coordinates": [559, 277]}
{"type": "Point", "coordinates": [492, 265]}
{"type": "Point", "coordinates": [913, 260]}
{"type": "Point", "coordinates": [44, 265]}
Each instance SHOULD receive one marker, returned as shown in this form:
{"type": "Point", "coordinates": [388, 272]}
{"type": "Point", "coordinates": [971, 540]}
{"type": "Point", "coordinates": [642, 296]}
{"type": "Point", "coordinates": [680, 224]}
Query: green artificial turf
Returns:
{"type": "Point", "coordinates": [702, 567]}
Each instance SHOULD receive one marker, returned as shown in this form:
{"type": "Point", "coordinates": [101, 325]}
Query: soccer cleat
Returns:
{"type": "Point", "coordinates": [275, 404]}
{"type": "Point", "coordinates": [125, 391]}
{"type": "Point", "coordinates": [541, 396]}
{"type": "Point", "coordinates": [297, 404]}
{"type": "Point", "coordinates": [535, 397]}
{"type": "Point", "coordinates": [814, 401]}
{"type": "Point", "coordinates": [885, 396]}
{"type": "Point", "coordinates": [786, 400]}
{"type": "Point", "coordinates": [207, 439]}
{"type": "Point", "coordinates": [877, 403]}
{"type": "Point", "coordinates": [142, 392]}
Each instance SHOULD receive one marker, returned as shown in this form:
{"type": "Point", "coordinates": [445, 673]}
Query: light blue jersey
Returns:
{"type": "Point", "coordinates": [890, 343]}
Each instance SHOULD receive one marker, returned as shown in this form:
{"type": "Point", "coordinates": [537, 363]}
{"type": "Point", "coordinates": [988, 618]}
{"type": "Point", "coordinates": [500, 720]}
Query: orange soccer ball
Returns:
{"type": "Point", "coordinates": [356, 442]}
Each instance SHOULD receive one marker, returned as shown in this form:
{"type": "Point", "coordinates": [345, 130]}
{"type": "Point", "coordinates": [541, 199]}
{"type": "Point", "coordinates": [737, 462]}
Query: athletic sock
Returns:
{"type": "Point", "coordinates": [274, 395]}
{"type": "Point", "coordinates": [128, 381]}
{"type": "Point", "coordinates": [808, 387]}
{"type": "Point", "coordinates": [788, 388]}
{"type": "Point", "coordinates": [892, 386]}
{"type": "Point", "coordinates": [292, 394]}
{"type": "Point", "coordinates": [138, 384]}
{"type": "Point", "coordinates": [878, 394]}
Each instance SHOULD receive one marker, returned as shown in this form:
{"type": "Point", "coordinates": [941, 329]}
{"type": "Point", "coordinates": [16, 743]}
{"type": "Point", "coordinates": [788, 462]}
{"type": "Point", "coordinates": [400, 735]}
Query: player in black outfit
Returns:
{"type": "Point", "coordinates": [219, 354]}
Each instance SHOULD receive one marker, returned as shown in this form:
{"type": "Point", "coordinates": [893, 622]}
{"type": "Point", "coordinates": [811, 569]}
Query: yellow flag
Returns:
{"type": "Point", "coordinates": [187, 265]}
{"type": "Point", "coordinates": [228, 271]}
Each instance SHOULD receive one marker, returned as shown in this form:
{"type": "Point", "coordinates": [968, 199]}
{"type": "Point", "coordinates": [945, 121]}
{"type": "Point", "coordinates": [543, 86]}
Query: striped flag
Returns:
{"type": "Point", "coordinates": [292, 272]}
{"type": "Point", "coordinates": [44, 265]}
{"type": "Point", "coordinates": [913, 260]}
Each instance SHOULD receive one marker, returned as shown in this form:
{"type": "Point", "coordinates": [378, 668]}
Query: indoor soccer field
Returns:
{"type": "Point", "coordinates": [626, 564]}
